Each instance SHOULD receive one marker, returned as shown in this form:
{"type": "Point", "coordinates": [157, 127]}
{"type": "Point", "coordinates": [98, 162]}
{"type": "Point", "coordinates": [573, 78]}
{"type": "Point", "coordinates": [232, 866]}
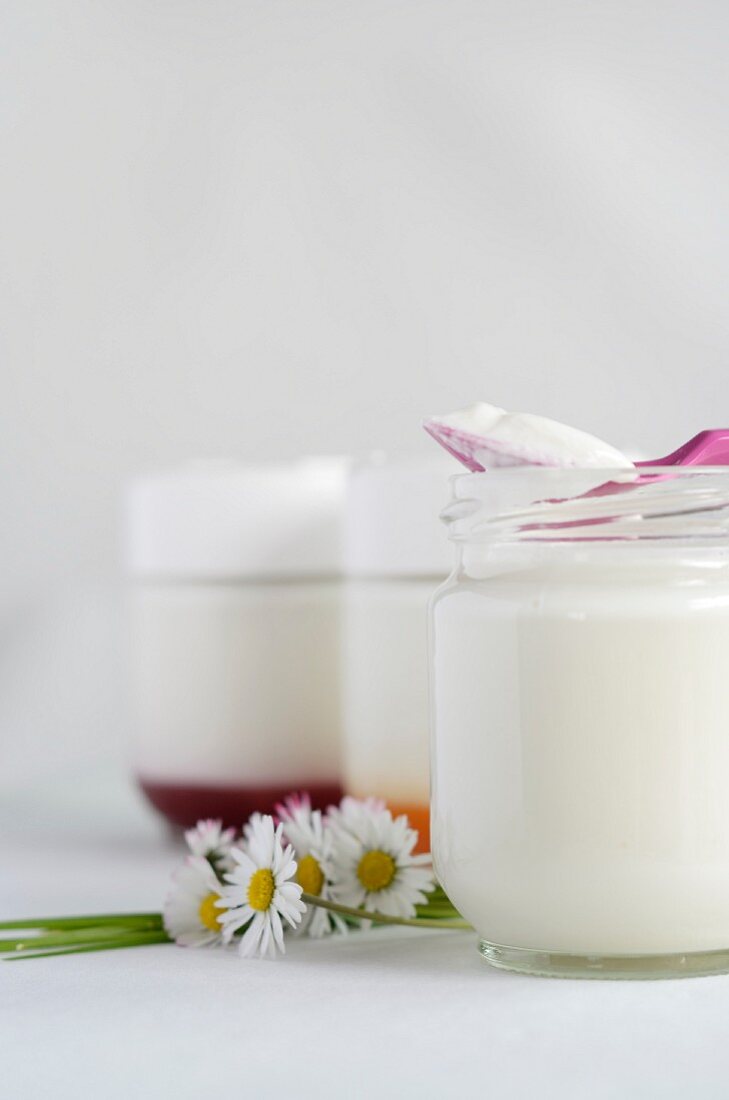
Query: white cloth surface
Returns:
{"type": "Point", "coordinates": [390, 1013]}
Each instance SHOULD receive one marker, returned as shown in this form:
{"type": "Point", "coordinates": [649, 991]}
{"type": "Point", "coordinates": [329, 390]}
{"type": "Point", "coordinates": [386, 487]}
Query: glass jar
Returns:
{"type": "Point", "coordinates": [236, 623]}
{"type": "Point", "coordinates": [396, 555]}
{"type": "Point", "coordinates": [580, 708]}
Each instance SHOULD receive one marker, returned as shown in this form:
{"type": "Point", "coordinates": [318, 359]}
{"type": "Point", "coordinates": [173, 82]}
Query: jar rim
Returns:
{"type": "Point", "coordinates": [569, 504]}
{"type": "Point", "coordinates": [607, 473]}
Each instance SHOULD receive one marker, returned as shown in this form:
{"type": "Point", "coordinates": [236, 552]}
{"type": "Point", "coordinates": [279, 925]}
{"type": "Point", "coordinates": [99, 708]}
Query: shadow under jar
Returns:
{"type": "Point", "coordinates": [580, 712]}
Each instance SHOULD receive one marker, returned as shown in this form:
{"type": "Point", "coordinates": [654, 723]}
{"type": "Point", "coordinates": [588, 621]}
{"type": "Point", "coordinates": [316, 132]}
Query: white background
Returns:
{"type": "Point", "coordinates": [259, 227]}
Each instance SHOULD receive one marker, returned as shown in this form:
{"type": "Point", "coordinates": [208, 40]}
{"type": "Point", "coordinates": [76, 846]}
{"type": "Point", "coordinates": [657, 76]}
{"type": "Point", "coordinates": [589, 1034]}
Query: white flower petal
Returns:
{"type": "Point", "coordinates": [264, 946]}
{"type": "Point", "coordinates": [245, 865]}
{"type": "Point", "coordinates": [276, 928]}
{"type": "Point", "coordinates": [251, 938]}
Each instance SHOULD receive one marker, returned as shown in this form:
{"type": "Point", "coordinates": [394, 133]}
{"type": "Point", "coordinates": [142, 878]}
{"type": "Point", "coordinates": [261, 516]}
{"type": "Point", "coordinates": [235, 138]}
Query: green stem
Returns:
{"type": "Point", "coordinates": [438, 907]}
{"type": "Point", "coordinates": [62, 937]}
{"type": "Point", "coordinates": [141, 921]}
{"type": "Point", "coordinates": [380, 918]}
{"type": "Point", "coordinates": [141, 939]}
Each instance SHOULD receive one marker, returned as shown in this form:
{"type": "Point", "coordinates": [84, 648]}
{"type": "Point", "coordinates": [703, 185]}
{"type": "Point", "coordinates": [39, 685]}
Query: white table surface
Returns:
{"type": "Point", "coordinates": [391, 1013]}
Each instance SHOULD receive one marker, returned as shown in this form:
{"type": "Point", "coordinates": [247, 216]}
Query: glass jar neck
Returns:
{"type": "Point", "coordinates": [590, 511]}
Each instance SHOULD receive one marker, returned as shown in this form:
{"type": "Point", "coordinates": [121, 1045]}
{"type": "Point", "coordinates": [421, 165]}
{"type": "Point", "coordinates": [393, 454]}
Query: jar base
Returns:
{"type": "Point", "coordinates": [551, 964]}
{"type": "Point", "coordinates": [184, 805]}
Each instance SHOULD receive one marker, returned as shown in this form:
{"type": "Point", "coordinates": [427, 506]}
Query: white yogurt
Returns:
{"type": "Point", "coordinates": [483, 436]}
{"type": "Point", "coordinates": [229, 689]}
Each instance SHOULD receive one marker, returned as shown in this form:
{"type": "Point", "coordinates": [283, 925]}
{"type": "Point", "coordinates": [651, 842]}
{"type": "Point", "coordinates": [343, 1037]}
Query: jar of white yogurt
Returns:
{"type": "Point", "coordinates": [580, 699]}
{"type": "Point", "coordinates": [236, 608]}
{"type": "Point", "coordinates": [396, 555]}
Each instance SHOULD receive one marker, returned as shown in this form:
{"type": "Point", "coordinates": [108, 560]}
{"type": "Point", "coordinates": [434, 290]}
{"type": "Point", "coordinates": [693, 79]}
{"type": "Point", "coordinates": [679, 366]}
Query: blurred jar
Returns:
{"type": "Point", "coordinates": [396, 555]}
{"type": "Point", "coordinates": [236, 602]}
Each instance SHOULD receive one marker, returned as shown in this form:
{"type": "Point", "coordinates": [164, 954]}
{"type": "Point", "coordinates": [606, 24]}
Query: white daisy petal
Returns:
{"type": "Point", "coordinates": [290, 891]}
{"type": "Point", "coordinates": [277, 929]}
{"type": "Point", "coordinates": [251, 938]}
{"type": "Point", "coordinates": [266, 938]}
{"type": "Point", "coordinates": [238, 915]}
{"type": "Point", "coordinates": [243, 861]}
{"type": "Point", "coordinates": [260, 841]}
{"type": "Point", "coordinates": [196, 939]}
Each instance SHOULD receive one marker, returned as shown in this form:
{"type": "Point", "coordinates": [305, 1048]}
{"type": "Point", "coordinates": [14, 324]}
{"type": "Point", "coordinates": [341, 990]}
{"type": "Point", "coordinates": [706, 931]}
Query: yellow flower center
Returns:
{"type": "Point", "coordinates": [260, 889]}
{"type": "Point", "coordinates": [209, 915]}
{"type": "Point", "coordinates": [309, 876]}
{"type": "Point", "coordinates": [376, 870]}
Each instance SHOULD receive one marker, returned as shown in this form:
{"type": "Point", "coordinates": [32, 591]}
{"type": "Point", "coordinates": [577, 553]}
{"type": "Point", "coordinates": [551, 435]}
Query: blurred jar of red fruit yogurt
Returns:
{"type": "Point", "coordinates": [235, 620]}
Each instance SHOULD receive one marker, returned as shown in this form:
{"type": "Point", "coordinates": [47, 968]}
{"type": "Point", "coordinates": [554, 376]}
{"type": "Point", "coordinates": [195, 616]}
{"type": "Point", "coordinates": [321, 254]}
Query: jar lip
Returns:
{"type": "Point", "coordinates": [607, 474]}
{"type": "Point", "coordinates": [569, 504]}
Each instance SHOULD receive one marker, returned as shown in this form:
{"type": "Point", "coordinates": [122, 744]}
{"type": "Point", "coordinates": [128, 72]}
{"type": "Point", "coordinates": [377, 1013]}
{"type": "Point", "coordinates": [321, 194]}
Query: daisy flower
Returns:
{"type": "Point", "coordinates": [211, 841]}
{"type": "Point", "coordinates": [261, 891]}
{"type": "Point", "coordinates": [373, 864]}
{"type": "Point", "coordinates": [312, 839]}
{"type": "Point", "coordinates": [191, 914]}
